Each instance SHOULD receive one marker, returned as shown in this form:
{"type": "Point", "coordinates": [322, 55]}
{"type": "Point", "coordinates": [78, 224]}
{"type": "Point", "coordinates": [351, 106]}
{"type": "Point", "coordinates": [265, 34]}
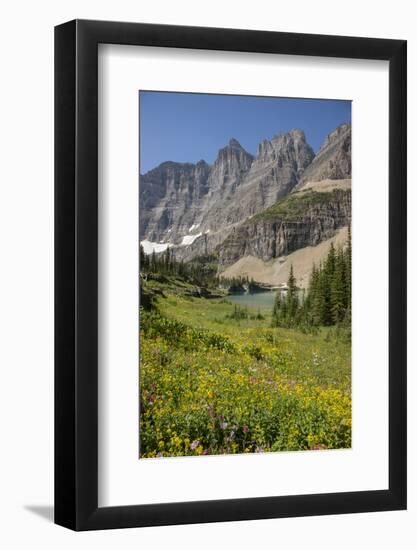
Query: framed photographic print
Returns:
{"type": "Point", "coordinates": [230, 275]}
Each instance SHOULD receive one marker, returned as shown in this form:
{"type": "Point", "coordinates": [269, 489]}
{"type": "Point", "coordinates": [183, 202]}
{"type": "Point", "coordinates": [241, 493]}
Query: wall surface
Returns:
{"type": "Point", "coordinates": [26, 288]}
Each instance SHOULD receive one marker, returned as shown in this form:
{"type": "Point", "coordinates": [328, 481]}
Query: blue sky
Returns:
{"type": "Point", "coordinates": [186, 127]}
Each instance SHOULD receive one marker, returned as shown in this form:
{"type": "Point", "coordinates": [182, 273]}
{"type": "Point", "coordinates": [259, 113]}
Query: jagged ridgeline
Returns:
{"type": "Point", "coordinates": [249, 214]}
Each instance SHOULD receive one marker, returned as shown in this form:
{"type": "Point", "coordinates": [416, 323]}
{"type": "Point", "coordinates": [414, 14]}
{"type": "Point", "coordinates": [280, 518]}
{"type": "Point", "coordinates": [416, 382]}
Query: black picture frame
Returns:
{"type": "Point", "coordinates": [76, 272]}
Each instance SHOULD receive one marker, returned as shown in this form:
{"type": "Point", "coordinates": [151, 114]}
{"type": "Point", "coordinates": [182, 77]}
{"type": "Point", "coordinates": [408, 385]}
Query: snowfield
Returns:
{"type": "Point", "coordinates": [149, 247]}
{"type": "Point", "coordinates": [189, 239]}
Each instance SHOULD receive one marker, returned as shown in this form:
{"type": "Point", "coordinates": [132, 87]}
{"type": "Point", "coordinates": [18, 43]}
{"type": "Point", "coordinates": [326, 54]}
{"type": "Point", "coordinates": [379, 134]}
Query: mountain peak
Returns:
{"type": "Point", "coordinates": [234, 143]}
{"type": "Point", "coordinates": [297, 133]}
{"type": "Point", "coordinates": [231, 162]}
{"type": "Point", "coordinates": [216, 196]}
{"type": "Point", "coordinates": [286, 148]}
{"type": "Point", "coordinates": [333, 160]}
{"type": "Point", "coordinates": [341, 131]}
{"type": "Point", "coordinates": [233, 150]}
{"type": "Point", "coordinates": [293, 134]}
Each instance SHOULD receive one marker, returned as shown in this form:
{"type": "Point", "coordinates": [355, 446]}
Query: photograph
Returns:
{"type": "Point", "coordinates": [208, 334]}
{"type": "Point", "coordinates": [245, 274]}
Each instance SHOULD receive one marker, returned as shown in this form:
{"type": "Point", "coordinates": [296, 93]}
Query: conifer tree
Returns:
{"type": "Point", "coordinates": [338, 290]}
{"type": "Point", "coordinates": [283, 318]}
{"type": "Point", "coordinates": [141, 257]}
{"type": "Point", "coordinates": [348, 268]}
{"type": "Point", "coordinates": [167, 260]}
{"type": "Point", "coordinates": [292, 297]}
{"type": "Point", "coordinates": [276, 311]}
{"type": "Point", "coordinates": [325, 285]}
{"type": "Point", "coordinates": [286, 309]}
{"type": "Point", "coordinates": [313, 304]}
{"type": "Point", "coordinates": [330, 265]}
{"type": "Point", "coordinates": [153, 262]}
{"type": "Point", "coordinates": [328, 300]}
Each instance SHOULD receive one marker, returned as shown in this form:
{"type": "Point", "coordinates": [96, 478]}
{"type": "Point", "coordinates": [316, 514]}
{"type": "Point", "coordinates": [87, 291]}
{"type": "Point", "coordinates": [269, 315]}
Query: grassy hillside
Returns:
{"type": "Point", "coordinates": [295, 206]}
{"type": "Point", "coordinates": [212, 382]}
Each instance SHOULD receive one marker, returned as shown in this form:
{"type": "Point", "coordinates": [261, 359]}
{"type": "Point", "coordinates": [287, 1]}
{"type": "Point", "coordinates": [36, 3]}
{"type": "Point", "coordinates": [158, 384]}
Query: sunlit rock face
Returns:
{"type": "Point", "coordinates": [270, 234]}
{"type": "Point", "coordinates": [195, 207]}
{"type": "Point", "coordinates": [333, 161]}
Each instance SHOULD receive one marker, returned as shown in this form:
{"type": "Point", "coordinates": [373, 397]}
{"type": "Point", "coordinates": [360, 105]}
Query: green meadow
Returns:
{"type": "Point", "coordinates": [219, 379]}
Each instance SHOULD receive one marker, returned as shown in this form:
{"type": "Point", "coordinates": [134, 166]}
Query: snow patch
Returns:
{"type": "Point", "coordinates": [189, 239]}
{"type": "Point", "coordinates": [194, 226]}
{"type": "Point", "coordinates": [207, 232]}
{"type": "Point", "coordinates": [149, 247]}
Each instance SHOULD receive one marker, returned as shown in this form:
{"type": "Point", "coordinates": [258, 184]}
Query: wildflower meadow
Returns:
{"type": "Point", "coordinates": [213, 382]}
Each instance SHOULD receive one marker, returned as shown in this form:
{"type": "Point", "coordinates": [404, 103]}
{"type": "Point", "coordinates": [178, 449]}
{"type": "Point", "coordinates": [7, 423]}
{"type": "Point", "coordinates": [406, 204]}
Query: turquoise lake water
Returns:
{"type": "Point", "coordinates": [261, 300]}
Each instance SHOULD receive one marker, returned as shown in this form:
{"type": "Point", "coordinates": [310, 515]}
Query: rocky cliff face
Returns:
{"type": "Point", "coordinates": [235, 207]}
{"type": "Point", "coordinates": [171, 196]}
{"type": "Point", "coordinates": [178, 200]}
{"type": "Point", "coordinates": [333, 161]}
{"type": "Point", "coordinates": [231, 165]}
{"type": "Point", "coordinates": [303, 219]}
{"type": "Point", "coordinates": [274, 172]}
